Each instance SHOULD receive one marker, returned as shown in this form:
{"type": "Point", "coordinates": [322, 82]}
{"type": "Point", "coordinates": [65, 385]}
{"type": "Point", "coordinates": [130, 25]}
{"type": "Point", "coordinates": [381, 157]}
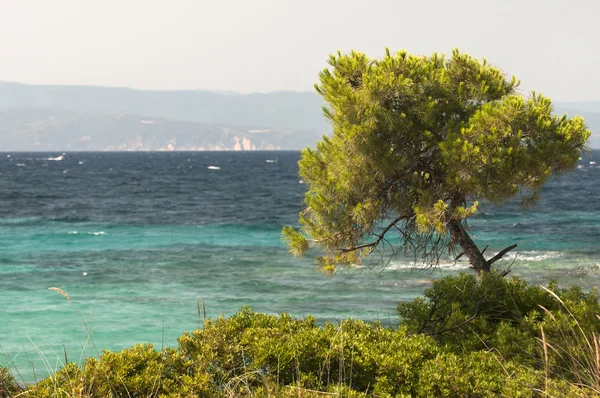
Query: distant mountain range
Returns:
{"type": "Point", "coordinates": [83, 118]}
{"type": "Point", "coordinates": [57, 130]}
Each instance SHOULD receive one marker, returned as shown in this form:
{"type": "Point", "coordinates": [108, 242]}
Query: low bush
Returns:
{"type": "Point", "coordinates": [8, 385]}
{"type": "Point", "coordinates": [545, 328]}
{"type": "Point", "coordinates": [467, 337]}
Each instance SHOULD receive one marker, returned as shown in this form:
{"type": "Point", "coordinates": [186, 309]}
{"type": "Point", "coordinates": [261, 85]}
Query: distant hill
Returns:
{"type": "Point", "coordinates": [279, 110]}
{"type": "Point", "coordinates": [589, 106]}
{"type": "Point", "coordinates": [55, 130]}
{"type": "Point", "coordinates": [34, 117]}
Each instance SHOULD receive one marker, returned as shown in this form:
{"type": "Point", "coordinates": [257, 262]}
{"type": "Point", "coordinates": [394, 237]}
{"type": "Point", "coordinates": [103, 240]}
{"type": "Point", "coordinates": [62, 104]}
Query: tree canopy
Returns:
{"type": "Point", "coordinates": [418, 143]}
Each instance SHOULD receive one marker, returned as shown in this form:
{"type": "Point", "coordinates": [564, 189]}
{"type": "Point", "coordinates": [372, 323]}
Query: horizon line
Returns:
{"type": "Point", "coordinates": [220, 92]}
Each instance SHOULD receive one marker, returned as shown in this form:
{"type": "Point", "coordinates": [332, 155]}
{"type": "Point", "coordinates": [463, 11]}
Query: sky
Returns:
{"type": "Point", "coordinates": [551, 46]}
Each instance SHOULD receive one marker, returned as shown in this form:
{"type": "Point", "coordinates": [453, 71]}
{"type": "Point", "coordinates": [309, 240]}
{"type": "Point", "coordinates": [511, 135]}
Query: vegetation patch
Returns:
{"type": "Point", "coordinates": [510, 339]}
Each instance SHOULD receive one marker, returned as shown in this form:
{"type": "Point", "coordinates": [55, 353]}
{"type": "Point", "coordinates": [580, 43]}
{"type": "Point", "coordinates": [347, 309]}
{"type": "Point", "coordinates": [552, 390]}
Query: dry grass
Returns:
{"type": "Point", "coordinates": [578, 349]}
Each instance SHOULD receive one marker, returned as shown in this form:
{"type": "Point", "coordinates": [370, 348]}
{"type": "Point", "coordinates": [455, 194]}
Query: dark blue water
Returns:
{"type": "Point", "coordinates": [137, 239]}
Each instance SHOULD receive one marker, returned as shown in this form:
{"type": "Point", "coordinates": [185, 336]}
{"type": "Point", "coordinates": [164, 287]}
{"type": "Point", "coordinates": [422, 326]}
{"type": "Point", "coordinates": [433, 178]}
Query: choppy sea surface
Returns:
{"type": "Point", "coordinates": [137, 240]}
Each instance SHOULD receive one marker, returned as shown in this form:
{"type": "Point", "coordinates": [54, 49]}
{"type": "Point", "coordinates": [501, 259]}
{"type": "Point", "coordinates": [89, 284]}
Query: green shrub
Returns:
{"type": "Point", "coordinates": [66, 382]}
{"type": "Point", "coordinates": [466, 314]}
{"type": "Point", "coordinates": [8, 385]}
{"type": "Point", "coordinates": [468, 337]}
{"type": "Point", "coordinates": [138, 371]}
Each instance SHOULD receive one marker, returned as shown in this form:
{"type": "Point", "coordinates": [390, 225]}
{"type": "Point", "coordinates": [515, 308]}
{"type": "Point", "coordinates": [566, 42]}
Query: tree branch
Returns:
{"type": "Point", "coordinates": [500, 255]}
{"type": "Point", "coordinates": [380, 237]}
{"type": "Point", "coordinates": [484, 249]}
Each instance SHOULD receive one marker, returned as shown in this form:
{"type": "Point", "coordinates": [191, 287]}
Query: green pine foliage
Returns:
{"type": "Point", "coordinates": [418, 142]}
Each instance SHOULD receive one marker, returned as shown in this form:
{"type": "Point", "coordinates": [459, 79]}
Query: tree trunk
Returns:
{"type": "Point", "coordinates": [470, 249]}
{"type": "Point", "coordinates": [460, 236]}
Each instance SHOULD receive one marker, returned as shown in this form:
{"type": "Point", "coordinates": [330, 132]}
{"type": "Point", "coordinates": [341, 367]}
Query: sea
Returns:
{"type": "Point", "coordinates": [147, 244]}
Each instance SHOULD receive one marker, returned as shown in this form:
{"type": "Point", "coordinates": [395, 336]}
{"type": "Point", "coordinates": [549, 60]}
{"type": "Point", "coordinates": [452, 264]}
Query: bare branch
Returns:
{"type": "Point", "coordinates": [501, 254]}
{"type": "Point", "coordinates": [508, 269]}
{"type": "Point", "coordinates": [374, 244]}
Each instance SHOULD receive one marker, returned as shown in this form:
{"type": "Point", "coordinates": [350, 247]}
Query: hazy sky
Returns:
{"type": "Point", "coordinates": [267, 45]}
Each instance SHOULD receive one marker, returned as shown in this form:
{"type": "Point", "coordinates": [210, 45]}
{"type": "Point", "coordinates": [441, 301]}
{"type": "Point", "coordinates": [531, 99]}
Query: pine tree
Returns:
{"type": "Point", "coordinates": [418, 143]}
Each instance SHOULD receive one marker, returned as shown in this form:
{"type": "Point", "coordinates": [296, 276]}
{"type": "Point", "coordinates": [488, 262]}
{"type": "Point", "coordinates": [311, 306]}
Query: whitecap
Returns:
{"type": "Point", "coordinates": [213, 168]}
{"type": "Point", "coordinates": [95, 233]}
{"type": "Point", "coordinates": [271, 161]}
{"type": "Point", "coordinates": [20, 164]}
{"type": "Point", "coordinates": [532, 255]}
{"type": "Point", "coordinates": [57, 159]}
{"type": "Point", "coordinates": [396, 265]}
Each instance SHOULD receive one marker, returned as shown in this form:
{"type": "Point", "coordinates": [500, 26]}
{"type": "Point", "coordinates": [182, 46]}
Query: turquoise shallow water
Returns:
{"type": "Point", "coordinates": [136, 239]}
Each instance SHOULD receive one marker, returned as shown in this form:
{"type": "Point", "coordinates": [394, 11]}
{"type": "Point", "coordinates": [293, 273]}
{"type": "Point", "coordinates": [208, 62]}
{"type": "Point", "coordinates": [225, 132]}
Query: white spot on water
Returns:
{"type": "Point", "coordinates": [58, 158]}
{"type": "Point", "coordinates": [84, 274]}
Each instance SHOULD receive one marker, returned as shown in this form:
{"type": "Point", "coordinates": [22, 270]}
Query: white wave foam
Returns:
{"type": "Point", "coordinates": [56, 159]}
{"type": "Point", "coordinates": [463, 263]}
{"type": "Point", "coordinates": [213, 168]}
{"type": "Point", "coordinates": [532, 255]}
{"type": "Point", "coordinates": [271, 161]}
{"type": "Point", "coordinates": [98, 233]}
{"type": "Point", "coordinates": [396, 265]}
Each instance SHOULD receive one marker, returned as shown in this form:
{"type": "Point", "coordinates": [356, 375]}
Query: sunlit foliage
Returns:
{"type": "Point", "coordinates": [418, 143]}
